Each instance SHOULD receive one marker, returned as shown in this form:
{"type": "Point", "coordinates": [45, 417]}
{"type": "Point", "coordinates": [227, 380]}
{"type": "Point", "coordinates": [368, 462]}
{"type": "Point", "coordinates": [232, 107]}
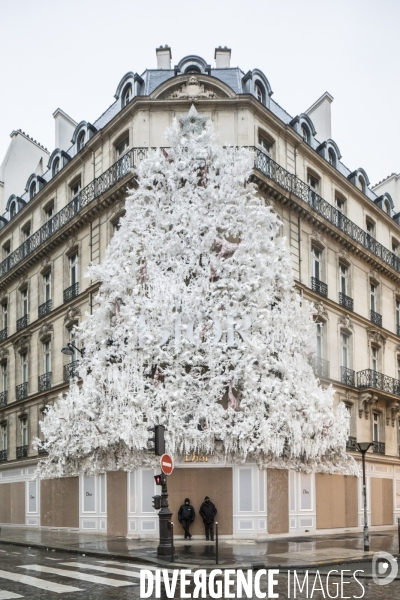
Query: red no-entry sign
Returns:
{"type": "Point", "coordinates": [167, 464]}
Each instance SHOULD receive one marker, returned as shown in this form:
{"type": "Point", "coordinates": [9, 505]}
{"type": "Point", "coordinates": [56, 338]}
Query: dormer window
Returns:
{"type": "Point", "coordinates": [32, 190]}
{"type": "Point", "coordinates": [81, 141]}
{"type": "Point", "coordinates": [361, 183]}
{"type": "Point", "coordinates": [13, 210]}
{"type": "Point", "coordinates": [386, 207]}
{"type": "Point", "coordinates": [259, 92]}
{"type": "Point", "coordinates": [56, 166]}
{"type": "Point", "coordinates": [331, 157]}
{"type": "Point", "coordinates": [305, 132]}
{"type": "Point", "coordinates": [127, 95]}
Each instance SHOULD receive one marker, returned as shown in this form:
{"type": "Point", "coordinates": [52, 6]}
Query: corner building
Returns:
{"type": "Point", "coordinates": [344, 238]}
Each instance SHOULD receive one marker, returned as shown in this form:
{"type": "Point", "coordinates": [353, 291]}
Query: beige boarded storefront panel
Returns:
{"type": "Point", "coordinates": [336, 501]}
{"type": "Point", "coordinates": [59, 502]}
{"type": "Point", "coordinates": [12, 503]}
{"type": "Point", "coordinates": [196, 484]}
{"type": "Point", "coordinates": [117, 504]}
{"type": "Point", "coordinates": [381, 501]}
{"type": "Point", "coordinates": [5, 503]}
{"type": "Point", "coordinates": [278, 500]}
{"type": "Point", "coordinates": [351, 491]}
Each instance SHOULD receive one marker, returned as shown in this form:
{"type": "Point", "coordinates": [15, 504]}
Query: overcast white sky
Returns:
{"type": "Point", "coordinates": [72, 54]}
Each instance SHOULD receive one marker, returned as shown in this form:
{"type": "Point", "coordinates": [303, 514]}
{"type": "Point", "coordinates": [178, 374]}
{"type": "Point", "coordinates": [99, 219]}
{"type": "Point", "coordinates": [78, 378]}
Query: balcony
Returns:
{"type": "Point", "coordinates": [373, 379]}
{"type": "Point", "coordinates": [376, 318]}
{"type": "Point", "coordinates": [320, 367]}
{"type": "Point", "coordinates": [351, 443]}
{"type": "Point", "coordinates": [378, 447]}
{"type": "Point", "coordinates": [71, 292]}
{"type": "Point", "coordinates": [346, 301]}
{"type": "Point", "coordinates": [22, 322]}
{"type": "Point", "coordinates": [3, 334]}
{"type": "Point", "coordinates": [319, 286]}
{"type": "Point", "coordinates": [3, 398]}
{"type": "Point", "coordinates": [21, 391]}
{"type": "Point", "coordinates": [42, 452]}
{"type": "Point", "coordinates": [3, 455]}
{"type": "Point", "coordinates": [44, 382]}
{"type": "Point", "coordinates": [71, 370]}
{"type": "Point", "coordinates": [22, 451]}
{"type": "Point", "coordinates": [44, 309]}
{"type": "Point", "coordinates": [347, 376]}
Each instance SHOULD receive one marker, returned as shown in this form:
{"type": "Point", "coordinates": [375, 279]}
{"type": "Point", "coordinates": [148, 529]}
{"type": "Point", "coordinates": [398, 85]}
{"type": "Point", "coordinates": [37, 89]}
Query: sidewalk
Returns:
{"type": "Point", "coordinates": [294, 552]}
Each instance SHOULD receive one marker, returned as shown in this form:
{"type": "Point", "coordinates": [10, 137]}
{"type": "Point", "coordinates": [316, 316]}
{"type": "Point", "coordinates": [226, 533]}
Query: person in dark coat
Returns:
{"type": "Point", "coordinates": [208, 511]}
{"type": "Point", "coordinates": [186, 516]}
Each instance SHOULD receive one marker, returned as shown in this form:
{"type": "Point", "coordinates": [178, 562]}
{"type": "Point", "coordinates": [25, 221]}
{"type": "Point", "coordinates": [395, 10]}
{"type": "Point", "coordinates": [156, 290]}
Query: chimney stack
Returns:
{"type": "Point", "coordinates": [163, 57]}
{"type": "Point", "coordinates": [222, 57]}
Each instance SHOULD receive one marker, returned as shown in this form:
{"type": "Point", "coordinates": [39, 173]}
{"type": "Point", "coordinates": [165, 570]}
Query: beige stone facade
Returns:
{"type": "Point", "coordinates": [332, 223]}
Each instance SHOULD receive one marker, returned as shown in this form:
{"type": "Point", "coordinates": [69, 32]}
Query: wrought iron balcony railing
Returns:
{"type": "Point", "coordinates": [3, 398]}
{"type": "Point", "coordinates": [42, 451]}
{"type": "Point", "coordinates": [71, 370]}
{"type": "Point", "coordinates": [44, 309]}
{"type": "Point", "coordinates": [22, 322]}
{"type": "Point", "coordinates": [373, 379]}
{"type": "Point", "coordinates": [378, 447]}
{"type": "Point", "coordinates": [319, 286]}
{"type": "Point", "coordinates": [22, 451]}
{"type": "Point", "coordinates": [3, 334]}
{"type": "Point", "coordinates": [346, 301]}
{"type": "Point", "coordinates": [21, 391]}
{"type": "Point", "coordinates": [44, 382]}
{"type": "Point", "coordinates": [71, 292]}
{"type": "Point", "coordinates": [262, 162]}
{"type": "Point", "coordinates": [320, 366]}
{"type": "Point", "coordinates": [351, 443]}
{"type": "Point", "coordinates": [398, 329]}
{"type": "Point", "coordinates": [3, 455]}
{"type": "Point", "coordinates": [376, 318]}
{"type": "Point", "coordinates": [347, 376]}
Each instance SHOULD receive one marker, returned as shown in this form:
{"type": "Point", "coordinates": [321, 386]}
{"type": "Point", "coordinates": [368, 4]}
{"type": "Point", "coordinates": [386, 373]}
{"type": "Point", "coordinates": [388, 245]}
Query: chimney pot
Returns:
{"type": "Point", "coordinates": [222, 57]}
{"type": "Point", "coordinates": [163, 57]}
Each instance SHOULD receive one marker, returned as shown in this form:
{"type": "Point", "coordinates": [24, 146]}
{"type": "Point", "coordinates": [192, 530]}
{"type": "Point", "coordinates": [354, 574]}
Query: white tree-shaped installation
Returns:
{"type": "Point", "coordinates": [197, 327]}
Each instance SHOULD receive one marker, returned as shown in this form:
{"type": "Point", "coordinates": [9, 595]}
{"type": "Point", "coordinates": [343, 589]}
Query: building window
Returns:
{"type": "Point", "coordinates": [4, 315]}
{"type": "Point", "coordinates": [24, 302]}
{"type": "Point", "coordinates": [122, 147]}
{"type": "Point", "coordinates": [374, 358]}
{"type": "Point", "coordinates": [376, 427]}
{"type": "Point", "coordinates": [24, 367]}
{"type": "Point", "coordinates": [370, 227]}
{"type": "Point", "coordinates": [75, 189]}
{"type": "Point", "coordinates": [361, 183]}
{"type": "Point", "coordinates": [331, 157]}
{"type": "Point", "coordinates": [127, 95]}
{"type": "Point", "coordinates": [305, 132]}
{"type": "Point", "coordinates": [386, 207]}
{"type": "Point", "coordinates": [47, 286]}
{"type": "Point", "coordinates": [74, 357]}
{"type": "Point", "coordinates": [398, 368]}
{"type": "Point", "coordinates": [320, 339]}
{"type": "Point", "coordinates": [24, 431]}
{"type": "Point", "coordinates": [316, 263]}
{"type": "Point", "coordinates": [4, 376]}
{"type": "Point", "coordinates": [73, 269]}
{"type": "Point", "coordinates": [4, 437]}
{"type": "Point", "coordinates": [13, 210]}
{"type": "Point", "coordinates": [344, 347]}
{"type": "Point", "coordinates": [81, 141]}
{"type": "Point", "coordinates": [56, 166]}
{"type": "Point", "coordinates": [26, 232]}
{"type": "Point", "coordinates": [398, 317]}
{"type": "Point", "coordinates": [265, 144]}
{"type": "Point", "coordinates": [47, 357]}
{"type": "Point", "coordinates": [373, 297]}
{"type": "Point", "coordinates": [6, 249]}
{"type": "Point", "coordinates": [32, 190]}
{"type": "Point", "coordinates": [312, 181]}
{"type": "Point", "coordinates": [340, 204]}
{"type": "Point", "coordinates": [48, 212]}
{"type": "Point", "coordinates": [343, 279]}
{"type": "Point", "coordinates": [395, 248]}
{"type": "Point", "coordinates": [259, 92]}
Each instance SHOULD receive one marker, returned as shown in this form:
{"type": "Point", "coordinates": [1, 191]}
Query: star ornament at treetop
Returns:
{"type": "Point", "coordinates": [192, 122]}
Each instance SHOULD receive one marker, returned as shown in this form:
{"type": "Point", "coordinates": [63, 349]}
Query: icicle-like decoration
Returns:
{"type": "Point", "coordinates": [197, 253]}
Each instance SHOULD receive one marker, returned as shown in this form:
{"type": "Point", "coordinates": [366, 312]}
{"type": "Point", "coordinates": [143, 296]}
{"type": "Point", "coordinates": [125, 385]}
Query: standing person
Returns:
{"type": "Point", "coordinates": [208, 511]}
{"type": "Point", "coordinates": [186, 516]}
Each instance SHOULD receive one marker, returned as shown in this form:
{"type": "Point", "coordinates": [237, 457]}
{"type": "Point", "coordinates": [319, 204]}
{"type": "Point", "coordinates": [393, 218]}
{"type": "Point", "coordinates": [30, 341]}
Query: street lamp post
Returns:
{"type": "Point", "coordinates": [363, 447]}
{"type": "Point", "coordinates": [68, 350]}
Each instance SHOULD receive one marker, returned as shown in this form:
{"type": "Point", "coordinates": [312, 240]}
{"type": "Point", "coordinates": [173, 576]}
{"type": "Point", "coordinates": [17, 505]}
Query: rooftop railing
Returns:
{"type": "Point", "coordinates": [262, 162]}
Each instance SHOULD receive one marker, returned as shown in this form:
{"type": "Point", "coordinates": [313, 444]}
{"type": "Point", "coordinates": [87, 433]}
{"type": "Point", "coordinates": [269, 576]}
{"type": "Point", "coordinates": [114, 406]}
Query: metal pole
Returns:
{"type": "Point", "coordinates": [398, 528]}
{"type": "Point", "coordinates": [164, 517]}
{"type": "Point", "coordinates": [366, 530]}
{"type": "Point", "coordinates": [172, 541]}
{"type": "Point", "coordinates": [216, 542]}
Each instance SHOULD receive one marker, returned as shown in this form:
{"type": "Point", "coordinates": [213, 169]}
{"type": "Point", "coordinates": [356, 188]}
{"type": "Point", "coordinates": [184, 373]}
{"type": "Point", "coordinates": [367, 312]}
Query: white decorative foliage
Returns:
{"type": "Point", "coordinates": [198, 328]}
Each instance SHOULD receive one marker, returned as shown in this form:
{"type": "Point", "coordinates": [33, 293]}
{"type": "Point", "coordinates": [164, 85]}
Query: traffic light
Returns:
{"type": "Point", "coordinates": [159, 479]}
{"type": "Point", "coordinates": [158, 439]}
{"type": "Point", "coordinates": [157, 502]}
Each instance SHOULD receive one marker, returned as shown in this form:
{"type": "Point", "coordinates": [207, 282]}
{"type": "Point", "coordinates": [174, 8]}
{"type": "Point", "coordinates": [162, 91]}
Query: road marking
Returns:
{"type": "Point", "coordinates": [42, 584]}
{"type": "Point", "coordinates": [102, 569]}
{"type": "Point", "coordinates": [131, 565]}
{"type": "Point", "coordinates": [77, 575]}
{"type": "Point", "coordinates": [4, 595]}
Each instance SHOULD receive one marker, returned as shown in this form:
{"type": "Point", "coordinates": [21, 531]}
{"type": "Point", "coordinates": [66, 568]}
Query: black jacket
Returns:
{"type": "Point", "coordinates": [208, 512]}
{"type": "Point", "coordinates": [186, 513]}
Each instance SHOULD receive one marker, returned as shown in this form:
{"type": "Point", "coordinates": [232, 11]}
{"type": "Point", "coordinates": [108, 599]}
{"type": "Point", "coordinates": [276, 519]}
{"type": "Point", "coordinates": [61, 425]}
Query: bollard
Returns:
{"type": "Point", "coordinates": [398, 529]}
{"type": "Point", "coordinates": [216, 542]}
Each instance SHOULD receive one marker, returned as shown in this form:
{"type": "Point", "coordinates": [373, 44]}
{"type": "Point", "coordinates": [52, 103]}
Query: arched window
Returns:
{"type": "Point", "coordinates": [259, 91]}
{"type": "Point", "coordinates": [192, 69]}
{"type": "Point", "coordinates": [305, 132]}
{"type": "Point", "coordinates": [386, 207]}
{"type": "Point", "coordinates": [13, 210]}
{"type": "Point", "coordinates": [32, 190]}
{"type": "Point", "coordinates": [331, 157]}
{"type": "Point", "coordinates": [361, 183]}
{"type": "Point", "coordinates": [56, 166]}
{"type": "Point", "coordinates": [81, 140]}
{"type": "Point", "coordinates": [127, 95]}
